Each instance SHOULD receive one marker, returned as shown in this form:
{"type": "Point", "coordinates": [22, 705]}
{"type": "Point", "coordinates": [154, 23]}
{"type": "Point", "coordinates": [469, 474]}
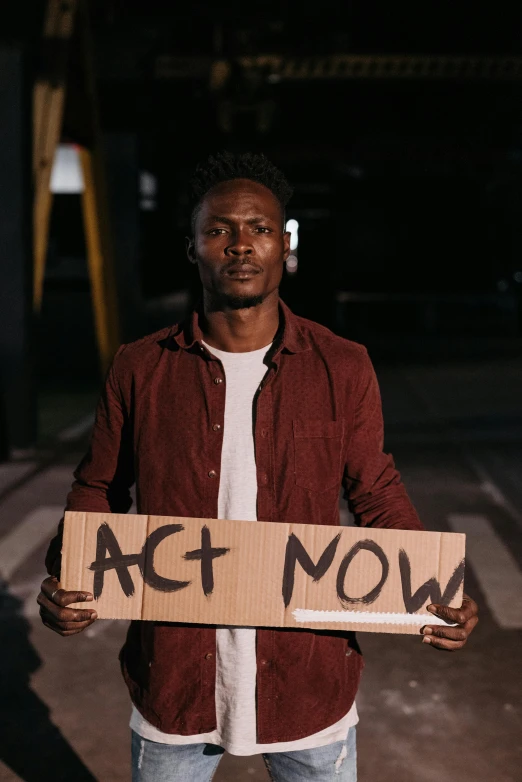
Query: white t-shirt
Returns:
{"type": "Point", "coordinates": [236, 646]}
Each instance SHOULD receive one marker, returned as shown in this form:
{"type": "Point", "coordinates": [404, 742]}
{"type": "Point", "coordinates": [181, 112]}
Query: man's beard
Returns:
{"type": "Point", "coordinates": [240, 302]}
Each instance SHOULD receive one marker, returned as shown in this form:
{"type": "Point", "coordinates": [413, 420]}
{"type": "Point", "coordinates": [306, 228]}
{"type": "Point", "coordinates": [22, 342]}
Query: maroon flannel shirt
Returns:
{"type": "Point", "coordinates": [318, 425]}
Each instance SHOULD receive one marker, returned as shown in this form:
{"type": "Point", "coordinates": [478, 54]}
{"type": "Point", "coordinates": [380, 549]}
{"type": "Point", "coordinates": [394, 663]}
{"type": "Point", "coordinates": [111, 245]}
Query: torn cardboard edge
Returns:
{"type": "Point", "coordinates": [261, 574]}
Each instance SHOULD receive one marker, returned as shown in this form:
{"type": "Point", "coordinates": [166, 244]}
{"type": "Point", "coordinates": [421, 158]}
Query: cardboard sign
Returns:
{"type": "Point", "coordinates": [261, 574]}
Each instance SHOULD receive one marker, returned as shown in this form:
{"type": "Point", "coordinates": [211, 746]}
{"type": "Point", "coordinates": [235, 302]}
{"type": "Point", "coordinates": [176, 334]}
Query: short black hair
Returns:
{"type": "Point", "coordinates": [225, 166]}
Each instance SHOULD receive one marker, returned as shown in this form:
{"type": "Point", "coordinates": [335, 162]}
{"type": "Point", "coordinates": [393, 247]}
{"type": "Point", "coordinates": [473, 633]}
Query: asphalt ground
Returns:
{"type": "Point", "coordinates": [456, 435]}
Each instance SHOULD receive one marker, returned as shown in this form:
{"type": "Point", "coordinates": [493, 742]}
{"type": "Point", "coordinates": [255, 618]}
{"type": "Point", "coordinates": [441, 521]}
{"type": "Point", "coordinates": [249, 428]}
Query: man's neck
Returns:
{"type": "Point", "coordinates": [243, 330]}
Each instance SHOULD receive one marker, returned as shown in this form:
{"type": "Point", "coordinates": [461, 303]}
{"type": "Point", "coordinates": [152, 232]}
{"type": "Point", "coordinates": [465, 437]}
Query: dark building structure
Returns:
{"type": "Point", "coordinates": [399, 124]}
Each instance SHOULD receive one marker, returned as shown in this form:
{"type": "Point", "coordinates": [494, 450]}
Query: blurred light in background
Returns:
{"type": "Point", "coordinates": [148, 191]}
{"type": "Point", "coordinates": [291, 264]}
{"type": "Point", "coordinates": [293, 227]}
{"type": "Point", "coordinates": [67, 174]}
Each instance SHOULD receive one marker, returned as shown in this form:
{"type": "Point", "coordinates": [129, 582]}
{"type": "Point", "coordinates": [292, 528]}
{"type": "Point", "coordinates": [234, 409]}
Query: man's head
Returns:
{"type": "Point", "coordinates": [238, 228]}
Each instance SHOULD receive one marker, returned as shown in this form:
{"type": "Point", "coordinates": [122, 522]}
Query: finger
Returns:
{"type": "Point", "coordinates": [455, 615]}
{"type": "Point", "coordinates": [64, 614]}
{"type": "Point", "coordinates": [60, 600]}
{"type": "Point", "coordinates": [468, 604]}
{"type": "Point", "coordinates": [65, 632]}
{"type": "Point", "coordinates": [63, 598]}
{"type": "Point", "coordinates": [59, 624]}
{"type": "Point", "coordinates": [49, 583]}
{"type": "Point", "coordinates": [470, 624]}
{"type": "Point", "coordinates": [439, 631]}
{"type": "Point", "coordinates": [445, 644]}
{"type": "Point", "coordinates": [72, 627]}
{"type": "Point", "coordinates": [51, 588]}
{"type": "Point", "coordinates": [467, 610]}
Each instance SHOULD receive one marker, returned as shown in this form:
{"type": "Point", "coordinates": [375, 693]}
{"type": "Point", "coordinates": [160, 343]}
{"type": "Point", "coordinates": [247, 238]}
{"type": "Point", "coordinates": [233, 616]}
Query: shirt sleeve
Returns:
{"type": "Point", "coordinates": [373, 487]}
{"type": "Point", "coordinates": [106, 473]}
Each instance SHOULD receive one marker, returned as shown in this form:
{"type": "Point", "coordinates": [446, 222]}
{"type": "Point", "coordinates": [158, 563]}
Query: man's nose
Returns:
{"type": "Point", "coordinates": [239, 245]}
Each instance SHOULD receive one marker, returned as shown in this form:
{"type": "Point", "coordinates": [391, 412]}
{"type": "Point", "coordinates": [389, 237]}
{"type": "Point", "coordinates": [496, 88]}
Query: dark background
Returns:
{"type": "Point", "coordinates": [407, 186]}
{"type": "Point", "coordinates": [400, 126]}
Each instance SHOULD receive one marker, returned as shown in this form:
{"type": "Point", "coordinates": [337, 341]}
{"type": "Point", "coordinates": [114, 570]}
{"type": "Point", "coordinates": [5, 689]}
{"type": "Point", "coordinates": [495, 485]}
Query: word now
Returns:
{"type": "Point", "coordinates": [296, 552]}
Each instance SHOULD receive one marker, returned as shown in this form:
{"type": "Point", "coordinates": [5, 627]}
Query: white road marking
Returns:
{"type": "Point", "coordinates": [99, 626]}
{"type": "Point", "coordinates": [37, 527]}
{"type": "Point", "coordinates": [11, 473]}
{"type": "Point", "coordinates": [76, 430]}
{"type": "Point", "coordinates": [487, 484]}
{"type": "Point", "coordinates": [494, 566]}
{"type": "Point", "coordinates": [492, 490]}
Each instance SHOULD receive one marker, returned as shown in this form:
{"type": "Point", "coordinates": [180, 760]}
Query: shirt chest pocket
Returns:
{"type": "Point", "coordinates": [318, 449]}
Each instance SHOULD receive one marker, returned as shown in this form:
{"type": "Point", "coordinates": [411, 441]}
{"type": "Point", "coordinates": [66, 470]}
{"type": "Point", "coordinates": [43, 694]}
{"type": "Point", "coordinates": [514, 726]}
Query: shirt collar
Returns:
{"type": "Point", "coordinates": [289, 336]}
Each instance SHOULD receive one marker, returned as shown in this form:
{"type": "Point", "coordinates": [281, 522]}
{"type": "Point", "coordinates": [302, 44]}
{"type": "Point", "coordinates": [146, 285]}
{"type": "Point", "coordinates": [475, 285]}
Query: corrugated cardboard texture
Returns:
{"type": "Point", "coordinates": [246, 562]}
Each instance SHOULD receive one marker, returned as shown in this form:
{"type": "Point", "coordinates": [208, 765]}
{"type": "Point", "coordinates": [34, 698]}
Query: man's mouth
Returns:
{"type": "Point", "coordinates": [242, 272]}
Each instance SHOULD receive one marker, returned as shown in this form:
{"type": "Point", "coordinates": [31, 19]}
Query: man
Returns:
{"type": "Point", "coordinates": [247, 412]}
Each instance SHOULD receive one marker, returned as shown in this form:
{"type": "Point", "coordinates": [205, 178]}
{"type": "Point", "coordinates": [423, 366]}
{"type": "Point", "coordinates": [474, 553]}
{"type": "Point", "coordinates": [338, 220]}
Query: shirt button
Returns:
{"type": "Point", "coordinates": [212, 473]}
{"type": "Point", "coordinates": [264, 662]}
{"type": "Point", "coordinates": [208, 656]}
{"type": "Point", "coordinates": [348, 653]}
{"type": "Point", "coordinates": [216, 427]}
{"type": "Point", "coordinates": [218, 380]}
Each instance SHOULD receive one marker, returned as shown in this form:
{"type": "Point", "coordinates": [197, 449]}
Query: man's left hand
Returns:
{"type": "Point", "coordinates": [451, 638]}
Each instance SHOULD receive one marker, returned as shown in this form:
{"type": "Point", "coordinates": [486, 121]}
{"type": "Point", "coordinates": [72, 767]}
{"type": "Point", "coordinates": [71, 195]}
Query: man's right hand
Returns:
{"type": "Point", "coordinates": [55, 615]}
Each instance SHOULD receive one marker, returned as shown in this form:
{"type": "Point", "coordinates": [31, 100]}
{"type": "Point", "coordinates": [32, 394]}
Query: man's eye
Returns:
{"type": "Point", "coordinates": [263, 229]}
{"type": "Point", "coordinates": [217, 231]}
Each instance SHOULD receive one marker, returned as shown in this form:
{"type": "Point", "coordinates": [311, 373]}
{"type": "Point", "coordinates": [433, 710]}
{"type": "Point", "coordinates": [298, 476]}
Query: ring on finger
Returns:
{"type": "Point", "coordinates": [55, 591]}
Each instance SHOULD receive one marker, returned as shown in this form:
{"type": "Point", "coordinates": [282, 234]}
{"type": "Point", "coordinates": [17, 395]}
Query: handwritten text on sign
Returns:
{"type": "Point", "coordinates": [260, 574]}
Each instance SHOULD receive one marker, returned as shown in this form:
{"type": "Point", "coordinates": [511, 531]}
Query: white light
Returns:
{"type": "Point", "coordinates": [67, 174]}
{"type": "Point", "coordinates": [148, 184]}
{"type": "Point", "coordinates": [291, 264]}
{"type": "Point", "coordinates": [517, 276]}
{"type": "Point", "coordinates": [293, 227]}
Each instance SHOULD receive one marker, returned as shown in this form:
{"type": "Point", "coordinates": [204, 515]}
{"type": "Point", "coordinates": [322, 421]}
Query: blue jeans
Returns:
{"type": "Point", "coordinates": [153, 762]}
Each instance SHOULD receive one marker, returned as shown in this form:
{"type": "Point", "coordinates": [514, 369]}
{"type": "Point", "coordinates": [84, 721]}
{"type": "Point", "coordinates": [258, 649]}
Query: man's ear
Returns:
{"type": "Point", "coordinates": [189, 244]}
{"type": "Point", "coordinates": [286, 244]}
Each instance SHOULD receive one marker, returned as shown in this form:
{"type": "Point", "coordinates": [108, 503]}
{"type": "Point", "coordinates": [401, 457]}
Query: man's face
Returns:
{"type": "Point", "coordinates": [239, 243]}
